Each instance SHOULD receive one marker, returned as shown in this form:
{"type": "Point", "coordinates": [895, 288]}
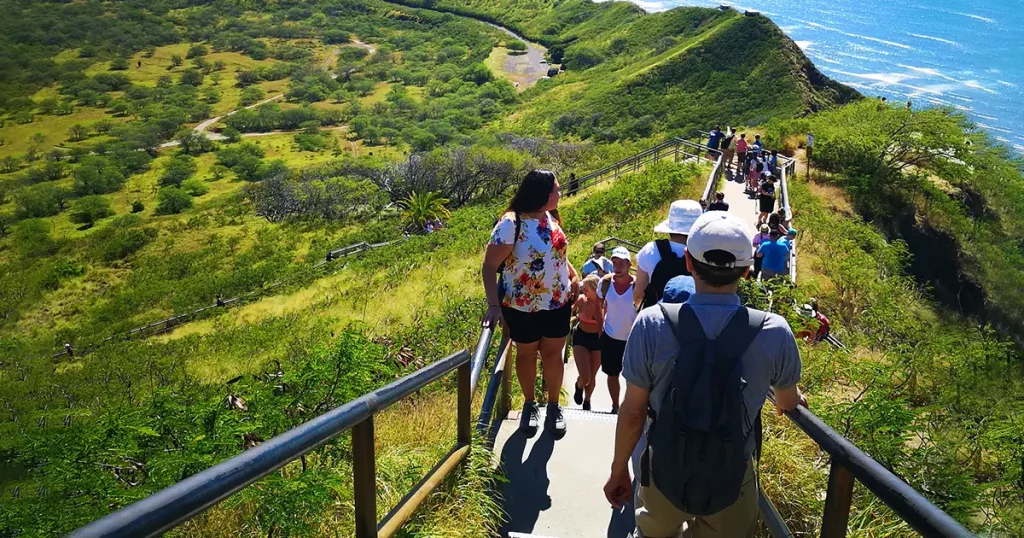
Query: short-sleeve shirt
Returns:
{"type": "Point", "coordinates": [648, 257]}
{"type": "Point", "coordinates": [775, 254]}
{"type": "Point", "coordinates": [741, 145]}
{"type": "Point", "coordinates": [768, 187]}
{"type": "Point", "coordinates": [536, 273]}
{"type": "Point", "coordinates": [760, 238]}
{"type": "Point", "coordinates": [772, 360]}
{"type": "Point", "coordinates": [718, 206]}
{"type": "Point", "coordinates": [593, 264]}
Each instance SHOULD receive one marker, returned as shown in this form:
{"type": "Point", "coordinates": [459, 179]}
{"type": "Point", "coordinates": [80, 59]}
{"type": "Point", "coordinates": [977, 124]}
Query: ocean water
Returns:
{"type": "Point", "coordinates": [959, 53]}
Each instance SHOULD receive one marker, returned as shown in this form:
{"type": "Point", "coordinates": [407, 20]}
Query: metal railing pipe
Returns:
{"type": "Point", "coordinates": [179, 502]}
{"type": "Point", "coordinates": [480, 357]}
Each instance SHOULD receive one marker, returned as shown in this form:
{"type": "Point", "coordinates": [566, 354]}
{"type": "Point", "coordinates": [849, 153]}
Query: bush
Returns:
{"type": "Point", "coordinates": [121, 238]}
{"type": "Point", "coordinates": [580, 57]}
{"type": "Point", "coordinates": [90, 209]}
{"type": "Point", "coordinates": [119, 64]}
{"type": "Point", "coordinates": [137, 206]}
{"type": "Point", "coordinates": [180, 168]}
{"type": "Point", "coordinates": [172, 200]}
{"type": "Point", "coordinates": [231, 135]}
{"type": "Point", "coordinates": [515, 45]}
{"type": "Point", "coordinates": [97, 175]}
{"type": "Point", "coordinates": [195, 187]}
{"type": "Point", "coordinates": [43, 200]}
{"type": "Point", "coordinates": [250, 96]}
{"type": "Point", "coordinates": [191, 77]}
{"type": "Point", "coordinates": [196, 51]}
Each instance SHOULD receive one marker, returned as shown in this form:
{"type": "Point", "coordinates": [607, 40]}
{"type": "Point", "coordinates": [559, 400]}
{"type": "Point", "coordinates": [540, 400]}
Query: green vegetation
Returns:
{"type": "Point", "coordinates": [117, 210]}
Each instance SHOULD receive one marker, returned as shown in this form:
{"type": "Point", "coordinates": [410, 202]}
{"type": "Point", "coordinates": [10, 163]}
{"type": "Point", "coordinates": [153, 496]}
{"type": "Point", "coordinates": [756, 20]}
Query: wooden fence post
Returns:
{"type": "Point", "coordinates": [364, 477]}
{"type": "Point", "coordinates": [838, 498]}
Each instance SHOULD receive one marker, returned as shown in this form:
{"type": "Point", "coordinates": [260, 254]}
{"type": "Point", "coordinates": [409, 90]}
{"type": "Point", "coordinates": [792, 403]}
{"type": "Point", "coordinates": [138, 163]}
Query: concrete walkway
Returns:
{"type": "Point", "coordinates": [741, 204]}
{"type": "Point", "coordinates": [555, 487]}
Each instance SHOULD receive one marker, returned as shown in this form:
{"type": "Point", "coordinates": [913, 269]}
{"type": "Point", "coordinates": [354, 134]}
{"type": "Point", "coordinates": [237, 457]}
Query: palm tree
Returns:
{"type": "Point", "coordinates": [418, 208]}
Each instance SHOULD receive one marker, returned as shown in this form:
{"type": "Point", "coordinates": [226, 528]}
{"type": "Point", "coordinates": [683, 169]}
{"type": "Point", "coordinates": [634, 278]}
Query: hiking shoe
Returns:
{"type": "Point", "coordinates": [555, 420]}
{"type": "Point", "coordinates": [586, 405]}
{"type": "Point", "coordinates": [578, 395]}
{"type": "Point", "coordinates": [615, 411]}
{"type": "Point", "coordinates": [530, 418]}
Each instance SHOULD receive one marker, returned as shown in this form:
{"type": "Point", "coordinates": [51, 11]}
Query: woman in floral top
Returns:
{"type": "Point", "coordinates": [533, 291]}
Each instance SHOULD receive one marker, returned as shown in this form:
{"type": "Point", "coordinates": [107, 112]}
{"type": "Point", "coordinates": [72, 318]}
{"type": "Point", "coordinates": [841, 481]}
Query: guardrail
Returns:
{"type": "Point", "coordinates": [788, 170]}
{"type": "Point", "coordinates": [850, 464]}
{"type": "Point", "coordinates": [184, 500]}
{"type": "Point", "coordinates": [679, 149]}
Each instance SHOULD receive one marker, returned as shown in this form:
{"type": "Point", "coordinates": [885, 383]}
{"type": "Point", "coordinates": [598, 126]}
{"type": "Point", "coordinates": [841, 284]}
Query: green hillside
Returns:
{"type": "Point", "coordinates": [116, 211]}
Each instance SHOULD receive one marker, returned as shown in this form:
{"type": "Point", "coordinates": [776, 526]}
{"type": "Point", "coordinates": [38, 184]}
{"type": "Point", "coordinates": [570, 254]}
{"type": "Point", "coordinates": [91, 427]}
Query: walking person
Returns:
{"type": "Point", "coordinates": [574, 185]}
{"type": "Point", "coordinates": [698, 468]}
{"type": "Point", "coordinates": [719, 204]}
{"type": "Point", "coordinates": [762, 236]}
{"type": "Point", "coordinates": [757, 147]}
{"type": "Point", "coordinates": [754, 174]}
{"type": "Point", "coordinates": [586, 339]}
{"type": "Point", "coordinates": [619, 313]}
{"type": "Point", "coordinates": [529, 250]}
{"type": "Point", "coordinates": [597, 264]}
{"type": "Point", "coordinates": [741, 154]}
{"type": "Point", "coordinates": [766, 199]}
{"type": "Point", "coordinates": [728, 146]}
{"type": "Point", "coordinates": [660, 260]}
{"type": "Point", "coordinates": [775, 254]}
{"type": "Point", "coordinates": [714, 142]}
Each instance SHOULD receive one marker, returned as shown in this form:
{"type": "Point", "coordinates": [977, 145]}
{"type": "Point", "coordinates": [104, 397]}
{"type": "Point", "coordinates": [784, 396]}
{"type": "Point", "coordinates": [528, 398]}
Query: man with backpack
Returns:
{"type": "Point", "coordinates": [701, 370]}
{"type": "Point", "coordinates": [659, 261]}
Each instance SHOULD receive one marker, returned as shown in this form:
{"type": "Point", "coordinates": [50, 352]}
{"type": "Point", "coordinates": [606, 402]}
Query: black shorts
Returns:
{"type": "Point", "coordinates": [611, 355]}
{"type": "Point", "coordinates": [591, 341]}
{"type": "Point", "coordinates": [530, 327]}
{"type": "Point", "coordinates": [767, 204]}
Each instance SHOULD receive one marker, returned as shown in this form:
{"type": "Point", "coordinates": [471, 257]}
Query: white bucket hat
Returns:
{"type": "Point", "coordinates": [681, 217]}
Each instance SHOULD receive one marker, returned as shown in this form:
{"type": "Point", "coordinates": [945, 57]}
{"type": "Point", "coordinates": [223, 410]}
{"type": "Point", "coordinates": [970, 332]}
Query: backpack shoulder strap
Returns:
{"type": "Point", "coordinates": [683, 322]}
{"type": "Point", "coordinates": [606, 284]}
{"type": "Point", "coordinates": [665, 249]}
{"type": "Point", "coordinates": [740, 332]}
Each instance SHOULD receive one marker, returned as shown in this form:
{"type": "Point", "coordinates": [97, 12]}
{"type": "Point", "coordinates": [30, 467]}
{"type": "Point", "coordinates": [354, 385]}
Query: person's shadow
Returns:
{"type": "Point", "coordinates": [623, 522]}
{"type": "Point", "coordinates": [525, 494]}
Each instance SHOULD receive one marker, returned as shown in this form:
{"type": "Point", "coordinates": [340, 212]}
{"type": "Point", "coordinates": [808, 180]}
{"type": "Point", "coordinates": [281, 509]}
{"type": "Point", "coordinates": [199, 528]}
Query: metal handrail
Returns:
{"type": "Point", "coordinates": [184, 500]}
{"type": "Point", "coordinates": [787, 169]}
{"type": "Point", "coordinates": [850, 463]}
{"type": "Point", "coordinates": [676, 146]}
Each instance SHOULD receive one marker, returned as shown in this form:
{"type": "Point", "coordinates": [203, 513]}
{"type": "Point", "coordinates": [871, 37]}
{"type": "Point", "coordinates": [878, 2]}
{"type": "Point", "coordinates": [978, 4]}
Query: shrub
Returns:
{"type": "Point", "coordinates": [196, 51]}
{"type": "Point", "coordinates": [121, 238]}
{"type": "Point", "coordinates": [515, 45]}
{"type": "Point", "coordinates": [191, 77]}
{"type": "Point", "coordinates": [231, 135]}
{"type": "Point", "coordinates": [97, 175]}
{"type": "Point", "coordinates": [43, 200]}
{"type": "Point", "coordinates": [180, 168]}
{"type": "Point", "coordinates": [195, 187]}
{"type": "Point", "coordinates": [119, 64]}
{"type": "Point", "coordinates": [250, 96]}
{"type": "Point", "coordinates": [137, 206]}
{"type": "Point", "coordinates": [90, 209]}
{"type": "Point", "coordinates": [172, 200]}
{"type": "Point", "coordinates": [580, 57]}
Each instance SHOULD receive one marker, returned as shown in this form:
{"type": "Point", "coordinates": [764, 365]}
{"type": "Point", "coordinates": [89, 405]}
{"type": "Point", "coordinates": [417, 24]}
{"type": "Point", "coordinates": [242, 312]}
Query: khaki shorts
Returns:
{"type": "Point", "coordinates": [657, 517]}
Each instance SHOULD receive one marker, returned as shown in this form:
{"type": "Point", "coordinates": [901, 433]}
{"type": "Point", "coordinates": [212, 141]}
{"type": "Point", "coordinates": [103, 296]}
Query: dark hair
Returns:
{"type": "Point", "coordinates": [720, 196]}
{"type": "Point", "coordinates": [717, 277]}
{"type": "Point", "coordinates": [774, 221]}
{"type": "Point", "coordinates": [533, 192]}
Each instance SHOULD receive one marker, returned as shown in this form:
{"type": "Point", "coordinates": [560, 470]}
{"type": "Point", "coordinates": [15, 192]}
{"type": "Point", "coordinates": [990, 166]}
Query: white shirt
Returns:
{"type": "Point", "coordinates": [648, 257]}
{"type": "Point", "coordinates": [618, 320]}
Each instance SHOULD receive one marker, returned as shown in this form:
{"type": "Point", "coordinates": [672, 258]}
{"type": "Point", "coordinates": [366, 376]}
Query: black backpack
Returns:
{"type": "Point", "coordinates": [670, 266]}
{"type": "Point", "coordinates": [696, 442]}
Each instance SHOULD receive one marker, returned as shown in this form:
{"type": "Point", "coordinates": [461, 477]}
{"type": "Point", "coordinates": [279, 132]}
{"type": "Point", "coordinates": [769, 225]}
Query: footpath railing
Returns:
{"type": "Point", "coordinates": [678, 149]}
{"type": "Point", "coordinates": [180, 502]}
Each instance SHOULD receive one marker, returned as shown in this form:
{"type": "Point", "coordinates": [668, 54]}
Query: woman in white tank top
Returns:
{"type": "Point", "coordinates": [620, 312]}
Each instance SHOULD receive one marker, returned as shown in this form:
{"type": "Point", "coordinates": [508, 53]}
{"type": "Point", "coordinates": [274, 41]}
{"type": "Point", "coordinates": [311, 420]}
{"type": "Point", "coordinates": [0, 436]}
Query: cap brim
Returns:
{"type": "Point", "coordinates": [665, 227]}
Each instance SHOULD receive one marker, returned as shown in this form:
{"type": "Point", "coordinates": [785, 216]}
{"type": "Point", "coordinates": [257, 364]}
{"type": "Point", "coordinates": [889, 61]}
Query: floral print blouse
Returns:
{"type": "Point", "coordinates": [536, 273]}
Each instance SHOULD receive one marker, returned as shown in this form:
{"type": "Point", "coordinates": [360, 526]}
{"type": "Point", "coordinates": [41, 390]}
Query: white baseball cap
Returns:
{"type": "Point", "coordinates": [622, 253]}
{"type": "Point", "coordinates": [718, 230]}
{"type": "Point", "coordinates": [681, 216]}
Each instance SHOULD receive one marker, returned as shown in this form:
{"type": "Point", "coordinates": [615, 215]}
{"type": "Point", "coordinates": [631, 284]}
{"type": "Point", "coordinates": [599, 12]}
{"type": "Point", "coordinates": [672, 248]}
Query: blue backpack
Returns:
{"type": "Point", "coordinates": [696, 442]}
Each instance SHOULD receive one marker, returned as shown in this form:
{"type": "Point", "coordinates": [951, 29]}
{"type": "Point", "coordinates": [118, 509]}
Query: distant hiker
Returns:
{"type": "Point", "coordinates": [773, 162]}
{"type": "Point", "coordinates": [659, 261]}
{"type": "Point", "coordinates": [824, 326]}
{"type": "Point", "coordinates": [597, 264]}
{"type": "Point", "coordinates": [429, 228]}
{"type": "Point", "coordinates": [714, 141]}
{"type": "Point", "coordinates": [529, 249]}
{"type": "Point", "coordinates": [762, 236]}
{"type": "Point", "coordinates": [716, 410]}
{"type": "Point", "coordinates": [220, 302]}
{"type": "Point", "coordinates": [70, 351]}
{"type": "Point", "coordinates": [757, 146]}
{"type": "Point", "coordinates": [678, 290]}
{"type": "Point", "coordinates": [728, 147]}
{"type": "Point", "coordinates": [754, 175]}
{"type": "Point", "coordinates": [784, 219]}
{"type": "Point", "coordinates": [586, 339]}
{"type": "Point", "coordinates": [741, 153]}
{"type": "Point", "coordinates": [574, 185]}
{"type": "Point", "coordinates": [619, 313]}
{"type": "Point", "coordinates": [775, 253]}
{"type": "Point", "coordinates": [703, 205]}
{"type": "Point", "coordinates": [719, 204]}
{"type": "Point", "coordinates": [766, 199]}
{"type": "Point", "coordinates": [140, 64]}
{"type": "Point", "coordinates": [908, 105]}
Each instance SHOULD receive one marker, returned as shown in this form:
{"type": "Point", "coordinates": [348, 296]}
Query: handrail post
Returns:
{"type": "Point", "coordinates": [838, 498]}
{"type": "Point", "coordinates": [465, 406]}
{"type": "Point", "coordinates": [364, 478]}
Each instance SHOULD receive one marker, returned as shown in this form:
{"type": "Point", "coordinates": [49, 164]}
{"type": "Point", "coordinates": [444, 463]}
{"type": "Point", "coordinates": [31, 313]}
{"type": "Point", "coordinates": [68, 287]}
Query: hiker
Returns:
{"type": "Point", "coordinates": [667, 347]}
{"type": "Point", "coordinates": [762, 236]}
{"type": "Point", "coordinates": [616, 291]}
{"type": "Point", "coordinates": [574, 185]}
{"type": "Point", "coordinates": [719, 204]}
{"type": "Point", "coordinates": [824, 326]}
{"type": "Point", "coordinates": [714, 141]}
{"type": "Point", "coordinates": [775, 253]}
{"type": "Point", "coordinates": [678, 289]}
{"type": "Point", "coordinates": [773, 162]}
{"type": "Point", "coordinates": [703, 205]}
{"type": "Point", "coordinates": [728, 146]}
{"type": "Point", "coordinates": [757, 146]}
{"type": "Point", "coordinates": [741, 153]}
{"type": "Point", "coordinates": [754, 174]}
{"type": "Point", "coordinates": [70, 351]}
{"type": "Point", "coordinates": [775, 223]}
{"type": "Point", "coordinates": [529, 249]}
{"type": "Point", "coordinates": [766, 199]}
{"type": "Point", "coordinates": [784, 220]}
{"type": "Point", "coordinates": [660, 260]}
{"type": "Point", "coordinates": [597, 264]}
{"type": "Point", "coordinates": [586, 339]}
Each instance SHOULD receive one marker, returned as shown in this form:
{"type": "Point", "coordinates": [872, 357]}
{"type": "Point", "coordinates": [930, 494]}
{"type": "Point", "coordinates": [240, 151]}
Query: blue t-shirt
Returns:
{"type": "Point", "coordinates": [775, 253]}
{"type": "Point", "coordinates": [592, 265]}
{"type": "Point", "coordinates": [715, 139]}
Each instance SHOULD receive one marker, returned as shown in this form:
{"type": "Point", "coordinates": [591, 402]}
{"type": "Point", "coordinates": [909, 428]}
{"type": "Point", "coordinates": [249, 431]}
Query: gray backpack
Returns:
{"type": "Point", "coordinates": [697, 440]}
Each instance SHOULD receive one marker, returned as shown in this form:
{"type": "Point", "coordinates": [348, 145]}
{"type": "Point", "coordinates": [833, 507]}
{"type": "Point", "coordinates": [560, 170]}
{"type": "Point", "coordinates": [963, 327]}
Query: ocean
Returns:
{"type": "Point", "coordinates": [959, 53]}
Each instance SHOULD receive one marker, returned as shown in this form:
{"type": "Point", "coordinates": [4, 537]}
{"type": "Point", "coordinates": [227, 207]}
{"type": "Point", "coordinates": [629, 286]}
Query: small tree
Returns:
{"type": "Point", "coordinates": [78, 132]}
{"type": "Point", "coordinates": [172, 200]}
{"type": "Point", "coordinates": [38, 138]}
{"type": "Point", "coordinates": [516, 45]}
{"type": "Point", "coordinates": [180, 168]}
{"type": "Point", "coordinates": [176, 61]}
{"type": "Point", "coordinates": [231, 134]}
{"type": "Point", "coordinates": [193, 142]}
{"type": "Point", "coordinates": [250, 96]}
{"type": "Point", "coordinates": [417, 208]}
{"type": "Point", "coordinates": [10, 164]}
{"type": "Point", "coordinates": [86, 211]}
{"type": "Point", "coordinates": [137, 206]}
{"type": "Point", "coordinates": [191, 77]}
{"type": "Point", "coordinates": [119, 64]}
{"type": "Point", "coordinates": [246, 78]}
{"type": "Point", "coordinates": [195, 187]}
{"type": "Point", "coordinates": [196, 51]}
